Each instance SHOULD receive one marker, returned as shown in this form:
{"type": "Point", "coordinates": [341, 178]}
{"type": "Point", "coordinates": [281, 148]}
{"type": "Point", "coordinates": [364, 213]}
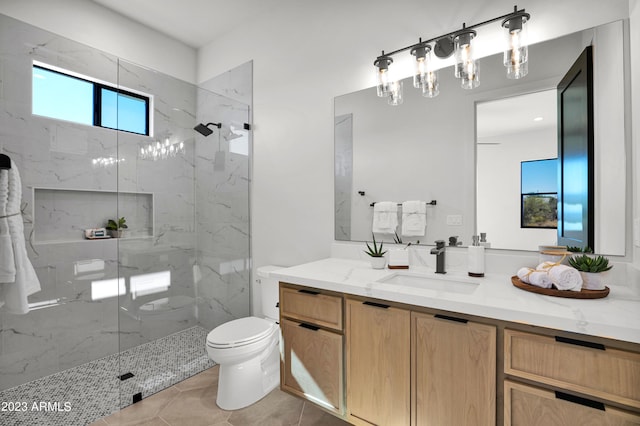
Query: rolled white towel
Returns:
{"type": "Point", "coordinates": [533, 277]}
{"type": "Point", "coordinates": [562, 276]}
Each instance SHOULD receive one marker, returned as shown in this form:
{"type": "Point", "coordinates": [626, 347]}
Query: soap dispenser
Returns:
{"type": "Point", "coordinates": [476, 258]}
{"type": "Point", "coordinates": [483, 240]}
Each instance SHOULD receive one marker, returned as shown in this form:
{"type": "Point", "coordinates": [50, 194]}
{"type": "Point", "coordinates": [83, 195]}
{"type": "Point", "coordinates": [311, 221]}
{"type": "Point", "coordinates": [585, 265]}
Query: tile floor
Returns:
{"type": "Point", "coordinates": [192, 402]}
{"type": "Point", "coordinates": [93, 390]}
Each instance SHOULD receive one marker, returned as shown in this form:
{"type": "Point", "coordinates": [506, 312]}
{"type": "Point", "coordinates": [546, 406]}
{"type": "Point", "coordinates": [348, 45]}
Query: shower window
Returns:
{"type": "Point", "coordinates": [69, 97]}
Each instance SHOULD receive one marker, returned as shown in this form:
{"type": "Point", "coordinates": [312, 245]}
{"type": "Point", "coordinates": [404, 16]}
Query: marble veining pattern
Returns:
{"type": "Point", "coordinates": [616, 317]}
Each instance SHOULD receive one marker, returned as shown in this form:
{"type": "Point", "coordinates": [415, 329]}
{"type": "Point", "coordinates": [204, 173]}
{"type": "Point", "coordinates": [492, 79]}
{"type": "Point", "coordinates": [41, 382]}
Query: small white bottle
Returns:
{"type": "Point", "coordinates": [476, 258]}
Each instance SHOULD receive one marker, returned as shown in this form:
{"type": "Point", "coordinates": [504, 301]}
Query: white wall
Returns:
{"type": "Point", "coordinates": [91, 24]}
{"type": "Point", "coordinates": [311, 52]}
{"type": "Point", "coordinates": [634, 13]}
{"type": "Point", "coordinates": [499, 188]}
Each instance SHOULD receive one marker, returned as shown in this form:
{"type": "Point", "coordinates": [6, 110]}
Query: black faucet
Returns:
{"type": "Point", "coordinates": [439, 251]}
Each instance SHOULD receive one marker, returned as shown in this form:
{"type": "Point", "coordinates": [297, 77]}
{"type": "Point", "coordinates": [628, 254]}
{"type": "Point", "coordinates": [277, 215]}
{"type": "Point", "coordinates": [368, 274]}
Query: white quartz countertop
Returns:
{"type": "Point", "coordinates": [616, 317]}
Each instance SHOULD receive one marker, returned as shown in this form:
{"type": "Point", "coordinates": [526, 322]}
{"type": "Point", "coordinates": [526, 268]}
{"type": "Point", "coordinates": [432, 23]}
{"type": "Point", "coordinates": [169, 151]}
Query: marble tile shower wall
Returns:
{"type": "Point", "coordinates": [77, 326]}
{"type": "Point", "coordinates": [222, 193]}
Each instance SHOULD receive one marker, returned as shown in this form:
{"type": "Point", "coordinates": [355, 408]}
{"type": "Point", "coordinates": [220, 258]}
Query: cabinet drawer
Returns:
{"type": "Point", "coordinates": [312, 364]}
{"type": "Point", "coordinates": [532, 406]}
{"type": "Point", "coordinates": [578, 366]}
{"type": "Point", "coordinates": [310, 306]}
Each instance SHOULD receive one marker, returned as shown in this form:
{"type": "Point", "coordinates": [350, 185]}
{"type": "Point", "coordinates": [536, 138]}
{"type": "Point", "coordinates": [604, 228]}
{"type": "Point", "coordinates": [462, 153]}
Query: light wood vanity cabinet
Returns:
{"type": "Point", "coordinates": [378, 363]}
{"type": "Point", "coordinates": [581, 378]}
{"type": "Point", "coordinates": [312, 346]}
{"type": "Point", "coordinates": [454, 371]}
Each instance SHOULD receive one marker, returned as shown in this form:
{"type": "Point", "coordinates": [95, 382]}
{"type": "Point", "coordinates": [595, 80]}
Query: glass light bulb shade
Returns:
{"type": "Point", "coordinates": [382, 82]}
{"type": "Point", "coordinates": [383, 78]}
{"type": "Point", "coordinates": [470, 75]}
{"type": "Point", "coordinates": [463, 51]}
{"type": "Point", "coordinates": [516, 53]}
{"type": "Point", "coordinates": [395, 93]}
{"type": "Point", "coordinates": [420, 72]}
{"type": "Point", "coordinates": [517, 71]}
{"type": "Point", "coordinates": [431, 88]}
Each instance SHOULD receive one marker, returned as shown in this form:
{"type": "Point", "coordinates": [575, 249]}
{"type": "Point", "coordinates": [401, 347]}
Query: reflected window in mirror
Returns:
{"type": "Point", "coordinates": [539, 193]}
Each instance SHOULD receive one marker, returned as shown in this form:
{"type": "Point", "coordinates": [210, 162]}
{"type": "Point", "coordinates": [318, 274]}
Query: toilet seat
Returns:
{"type": "Point", "coordinates": [240, 332]}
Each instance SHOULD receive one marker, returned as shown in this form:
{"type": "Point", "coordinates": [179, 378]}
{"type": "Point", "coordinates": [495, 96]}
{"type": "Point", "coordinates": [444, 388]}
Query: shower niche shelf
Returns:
{"type": "Point", "coordinates": [62, 215]}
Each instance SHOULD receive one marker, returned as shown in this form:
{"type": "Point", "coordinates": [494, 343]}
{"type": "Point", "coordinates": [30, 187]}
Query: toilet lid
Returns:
{"type": "Point", "coordinates": [240, 332]}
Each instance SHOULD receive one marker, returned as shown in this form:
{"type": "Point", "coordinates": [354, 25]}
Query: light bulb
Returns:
{"type": "Point", "coordinates": [467, 68]}
{"type": "Point", "coordinates": [516, 55]}
{"type": "Point", "coordinates": [383, 79]}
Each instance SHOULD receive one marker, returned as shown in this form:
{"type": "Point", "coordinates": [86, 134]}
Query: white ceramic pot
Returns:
{"type": "Point", "coordinates": [594, 280]}
{"type": "Point", "coordinates": [378, 262]}
{"type": "Point", "coordinates": [116, 234]}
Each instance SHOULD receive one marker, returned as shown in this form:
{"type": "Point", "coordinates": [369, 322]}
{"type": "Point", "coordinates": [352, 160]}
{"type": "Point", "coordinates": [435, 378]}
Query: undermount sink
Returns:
{"type": "Point", "coordinates": [444, 284]}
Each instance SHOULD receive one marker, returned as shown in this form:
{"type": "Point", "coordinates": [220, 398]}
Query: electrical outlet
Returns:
{"type": "Point", "coordinates": [454, 219]}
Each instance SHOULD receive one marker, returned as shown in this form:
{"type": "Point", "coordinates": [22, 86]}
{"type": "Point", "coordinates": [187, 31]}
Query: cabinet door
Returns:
{"type": "Point", "coordinates": [531, 406]}
{"type": "Point", "coordinates": [312, 364]}
{"type": "Point", "coordinates": [378, 364]}
{"type": "Point", "coordinates": [454, 367]}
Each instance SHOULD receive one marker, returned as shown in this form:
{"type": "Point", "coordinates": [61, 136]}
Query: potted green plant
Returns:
{"type": "Point", "coordinates": [378, 261]}
{"type": "Point", "coordinates": [116, 227]}
{"type": "Point", "coordinates": [592, 269]}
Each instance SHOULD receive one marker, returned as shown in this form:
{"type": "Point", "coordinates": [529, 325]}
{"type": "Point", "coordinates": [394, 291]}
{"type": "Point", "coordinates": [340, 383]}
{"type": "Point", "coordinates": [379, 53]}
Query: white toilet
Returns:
{"type": "Point", "coordinates": [247, 350]}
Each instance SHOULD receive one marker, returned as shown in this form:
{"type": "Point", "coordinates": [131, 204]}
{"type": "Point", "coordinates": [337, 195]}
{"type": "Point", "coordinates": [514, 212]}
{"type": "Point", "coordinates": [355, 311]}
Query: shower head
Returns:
{"type": "Point", "coordinates": [204, 129]}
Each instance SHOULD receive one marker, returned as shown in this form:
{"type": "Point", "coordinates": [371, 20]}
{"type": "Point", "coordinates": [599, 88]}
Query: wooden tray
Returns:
{"type": "Point", "coordinates": [582, 294]}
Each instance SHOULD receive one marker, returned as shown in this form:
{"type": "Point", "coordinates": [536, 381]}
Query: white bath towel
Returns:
{"type": "Point", "coordinates": [7, 262]}
{"type": "Point", "coordinates": [563, 277]}
{"type": "Point", "coordinates": [14, 294]}
{"type": "Point", "coordinates": [385, 217]}
{"type": "Point", "coordinates": [414, 218]}
{"type": "Point", "coordinates": [533, 277]}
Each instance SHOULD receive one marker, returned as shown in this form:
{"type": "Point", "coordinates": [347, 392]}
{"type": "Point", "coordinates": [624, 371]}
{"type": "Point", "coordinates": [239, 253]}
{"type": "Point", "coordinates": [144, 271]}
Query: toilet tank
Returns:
{"type": "Point", "coordinates": [269, 291]}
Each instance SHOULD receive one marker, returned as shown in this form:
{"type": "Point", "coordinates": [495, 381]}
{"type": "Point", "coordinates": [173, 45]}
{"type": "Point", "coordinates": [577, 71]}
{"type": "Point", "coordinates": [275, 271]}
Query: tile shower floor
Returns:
{"type": "Point", "coordinates": [83, 394]}
{"type": "Point", "coordinates": [192, 403]}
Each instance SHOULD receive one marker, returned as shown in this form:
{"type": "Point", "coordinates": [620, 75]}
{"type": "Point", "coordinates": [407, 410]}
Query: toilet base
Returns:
{"type": "Point", "coordinates": [240, 385]}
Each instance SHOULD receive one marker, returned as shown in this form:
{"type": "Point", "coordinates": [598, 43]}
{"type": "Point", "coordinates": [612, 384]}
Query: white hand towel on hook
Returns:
{"type": "Point", "coordinates": [7, 261]}
{"type": "Point", "coordinates": [414, 218]}
{"type": "Point", "coordinates": [385, 217]}
{"type": "Point", "coordinates": [14, 294]}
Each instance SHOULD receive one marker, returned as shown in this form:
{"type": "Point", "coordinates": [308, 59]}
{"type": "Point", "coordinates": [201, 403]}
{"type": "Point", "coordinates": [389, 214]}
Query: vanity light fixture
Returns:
{"type": "Point", "coordinates": [517, 53]}
{"type": "Point", "coordinates": [467, 67]}
{"type": "Point", "coordinates": [424, 76]}
{"type": "Point", "coordinates": [382, 63]}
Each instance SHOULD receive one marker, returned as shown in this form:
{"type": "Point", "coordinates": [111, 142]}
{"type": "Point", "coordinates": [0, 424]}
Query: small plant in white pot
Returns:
{"type": "Point", "coordinates": [378, 261]}
{"type": "Point", "coordinates": [116, 227]}
{"type": "Point", "coordinates": [592, 269]}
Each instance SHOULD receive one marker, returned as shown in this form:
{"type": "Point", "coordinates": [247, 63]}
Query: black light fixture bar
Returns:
{"type": "Point", "coordinates": [450, 34]}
